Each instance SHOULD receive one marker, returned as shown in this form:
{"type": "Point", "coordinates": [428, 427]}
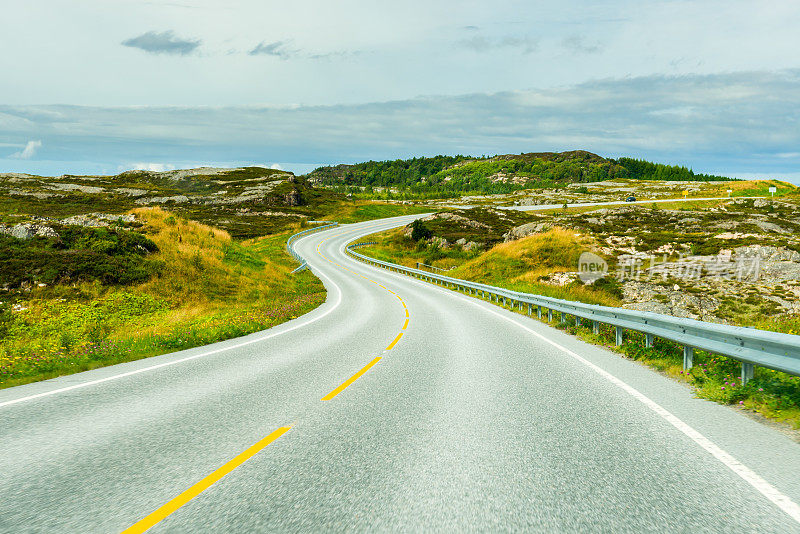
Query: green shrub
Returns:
{"type": "Point", "coordinates": [419, 231]}
{"type": "Point", "coordinates": [111, 256]}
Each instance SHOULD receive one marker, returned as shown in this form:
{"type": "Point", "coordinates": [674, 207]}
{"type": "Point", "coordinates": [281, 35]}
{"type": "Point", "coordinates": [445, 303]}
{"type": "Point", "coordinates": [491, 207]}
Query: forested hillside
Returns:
{"type": "Point", "coordinates": [451, 176]}
{"type": "Point", "coordinates": [645, 170]}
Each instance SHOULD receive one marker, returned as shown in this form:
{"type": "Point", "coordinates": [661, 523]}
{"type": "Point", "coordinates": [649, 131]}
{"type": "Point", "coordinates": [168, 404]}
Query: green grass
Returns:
{"type": "Point", "coordinates": [760, 188]}
{"type": "Point", "coordinates": [359, 211]}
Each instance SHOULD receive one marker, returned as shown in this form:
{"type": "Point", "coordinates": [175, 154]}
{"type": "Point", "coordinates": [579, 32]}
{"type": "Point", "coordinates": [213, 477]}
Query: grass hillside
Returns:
{"type": "Point", "coordinates": [208, 288]}
{"type": "Point", "coordinates": [519, 265]}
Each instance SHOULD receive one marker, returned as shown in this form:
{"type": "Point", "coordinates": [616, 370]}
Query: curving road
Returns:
{"type": "Point", "coordinates": [475, 419]}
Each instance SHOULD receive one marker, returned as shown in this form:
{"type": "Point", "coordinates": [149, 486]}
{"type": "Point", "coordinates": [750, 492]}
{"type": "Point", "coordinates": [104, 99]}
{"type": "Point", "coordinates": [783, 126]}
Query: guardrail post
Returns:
{"type": "Point", "coordinates": [596, 327]}
{"type": "Point", "coordinates": [648, 340]}
{"type": "Point", "coordinates": [538, 312]}
{"type": "Point", "coordinates": [577, 321]}
{"type": "Point", "coordinates": [688, 356]}
{"type": "Point", "coordinates": [530, 309]}
{"type": "Point", "coordinates": [618, 335]}
{"type": "Point", "coordinates": [563, 317]}
{"type": "Point", "coordinates": [748, 371]}
{"type": "Point", "coordinates": [549, 315]}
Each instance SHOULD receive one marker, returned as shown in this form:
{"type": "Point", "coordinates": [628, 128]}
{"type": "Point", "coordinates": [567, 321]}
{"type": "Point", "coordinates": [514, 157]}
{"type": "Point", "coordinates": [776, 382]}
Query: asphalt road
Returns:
{"type": "Point", "coordinates": [476, 419]}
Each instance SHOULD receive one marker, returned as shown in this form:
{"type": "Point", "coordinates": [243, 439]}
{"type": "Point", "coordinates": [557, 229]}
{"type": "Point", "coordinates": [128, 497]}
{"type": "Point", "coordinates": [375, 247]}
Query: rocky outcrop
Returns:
{"type": "Point", "coordinates": [768, 253]}
{"type": "Point", "coordinates": [178, 199]}
{"type": "Point", "coordinates": [131, 192]}
{"type": "Point", "coordinates": [454, 217]}
{"type": "Point", "coordinates": [524, 230]}
{"type": "Point", "coordinates": [669, 300]}
{"type": "Point", "coordinates": [440, 242]}
{"type": "Point", "coordinates": [292, 198]}
{"type": "Point", "coordinates": [28, 231]}
{"type": "Point", "coordinates": [98, 219]}
{"type": "Point", "coordinates": [76, 187]}
{"type": "Point", "coordinates": [560, 278]}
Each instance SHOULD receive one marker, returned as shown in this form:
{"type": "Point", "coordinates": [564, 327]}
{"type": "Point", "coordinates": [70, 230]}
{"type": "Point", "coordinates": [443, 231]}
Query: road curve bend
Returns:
{"type": "Point", "coordinates": [395, 406]}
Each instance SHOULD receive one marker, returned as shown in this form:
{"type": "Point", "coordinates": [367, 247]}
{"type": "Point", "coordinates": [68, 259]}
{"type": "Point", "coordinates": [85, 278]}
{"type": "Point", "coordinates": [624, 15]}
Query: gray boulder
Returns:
{"type": "Point", "coordinates": [30, 230]}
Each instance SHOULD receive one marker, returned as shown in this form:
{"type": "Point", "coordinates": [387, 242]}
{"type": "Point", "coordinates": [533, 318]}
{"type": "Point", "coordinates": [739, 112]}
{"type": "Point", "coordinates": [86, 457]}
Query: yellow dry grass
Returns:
{"type": "Point", "coordinates": [520, 264]}
{"type": "Point", "coordinates": [199, 269]}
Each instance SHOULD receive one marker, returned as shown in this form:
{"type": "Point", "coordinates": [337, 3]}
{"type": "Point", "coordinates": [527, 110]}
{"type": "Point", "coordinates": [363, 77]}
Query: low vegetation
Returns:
{"type": "Point", "coordinates": [519, 265]}
{"type": "Point", "coordinates": [209, 288]}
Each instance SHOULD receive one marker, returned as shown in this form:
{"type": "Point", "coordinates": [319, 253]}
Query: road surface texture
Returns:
{"type": "Point", "coordinates": [476, 419]}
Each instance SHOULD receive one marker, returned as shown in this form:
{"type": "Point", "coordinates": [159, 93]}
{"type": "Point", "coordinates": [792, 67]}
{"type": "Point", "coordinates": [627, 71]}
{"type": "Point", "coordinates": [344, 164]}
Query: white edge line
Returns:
{"type": "Point", "coordinates": [186, 359]}
{"type": "Point", "coordinates": [769, 491]}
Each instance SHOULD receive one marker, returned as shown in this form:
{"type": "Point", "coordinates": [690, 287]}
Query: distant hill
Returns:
{"type": "Point", "coordinates": [443, 176]}
{"type": "Point", "coordinates": [247, 202]}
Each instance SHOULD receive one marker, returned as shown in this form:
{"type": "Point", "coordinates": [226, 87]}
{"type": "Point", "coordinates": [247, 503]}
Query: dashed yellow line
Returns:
{"type": "Point", "coordinates": [367, 367]}
{"type": "Point", "coordinates": [393, 343]}
{"type": "Point", "coordinates": [176, 503]}
{"type": "Point", "coordinates": [173, 505]}
{"type": "Point", "coordinates": [350, 380]}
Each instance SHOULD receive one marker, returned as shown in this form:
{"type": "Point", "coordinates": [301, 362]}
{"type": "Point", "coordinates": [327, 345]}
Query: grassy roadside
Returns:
{"type": "Point", "coordinates": [518, 265]}
{"type": "Point", "coordinates": [212, 288]}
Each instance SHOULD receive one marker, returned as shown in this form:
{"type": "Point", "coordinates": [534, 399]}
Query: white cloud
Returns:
{"type": "Point", "coordinates": [729, 123]}
{"type": "Point", "coordinates": [155, 167]}
{"type": "Point", "coordinates": [29, 151]}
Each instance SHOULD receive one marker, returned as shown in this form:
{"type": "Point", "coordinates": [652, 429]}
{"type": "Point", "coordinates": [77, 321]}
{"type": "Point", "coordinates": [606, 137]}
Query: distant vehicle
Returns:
{"type": "Point", "coordinates": [630, 199]}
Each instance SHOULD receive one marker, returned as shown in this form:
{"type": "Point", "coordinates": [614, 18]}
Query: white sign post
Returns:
{"type": "Point", "coordinates": [772, 191]}
{"type": "Point", "coordinates": [729, 192]}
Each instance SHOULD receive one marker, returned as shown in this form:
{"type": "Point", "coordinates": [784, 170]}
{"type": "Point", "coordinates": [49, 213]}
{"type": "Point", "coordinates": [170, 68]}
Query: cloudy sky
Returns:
{"type": "Point", "coordinates": [100, 86]}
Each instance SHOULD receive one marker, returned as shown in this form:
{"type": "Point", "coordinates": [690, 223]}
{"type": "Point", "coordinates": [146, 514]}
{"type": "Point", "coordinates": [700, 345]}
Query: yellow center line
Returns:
{"type": "Point", "coordinates": [366, 368]}
{"type": "Point", "coordinates": [160, 514]}
{"type": "Point", "coordinates": [350, 380]}
{"type": "Point", "coordinates": [393, 343]}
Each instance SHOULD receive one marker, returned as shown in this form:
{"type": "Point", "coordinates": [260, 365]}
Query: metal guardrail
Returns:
{"type": "Point", "coordinates": [294, 237]}
{"type": "Point", "coordinates": [750, 346]}
{"type": "Point", "coordinates": [433, 268]}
